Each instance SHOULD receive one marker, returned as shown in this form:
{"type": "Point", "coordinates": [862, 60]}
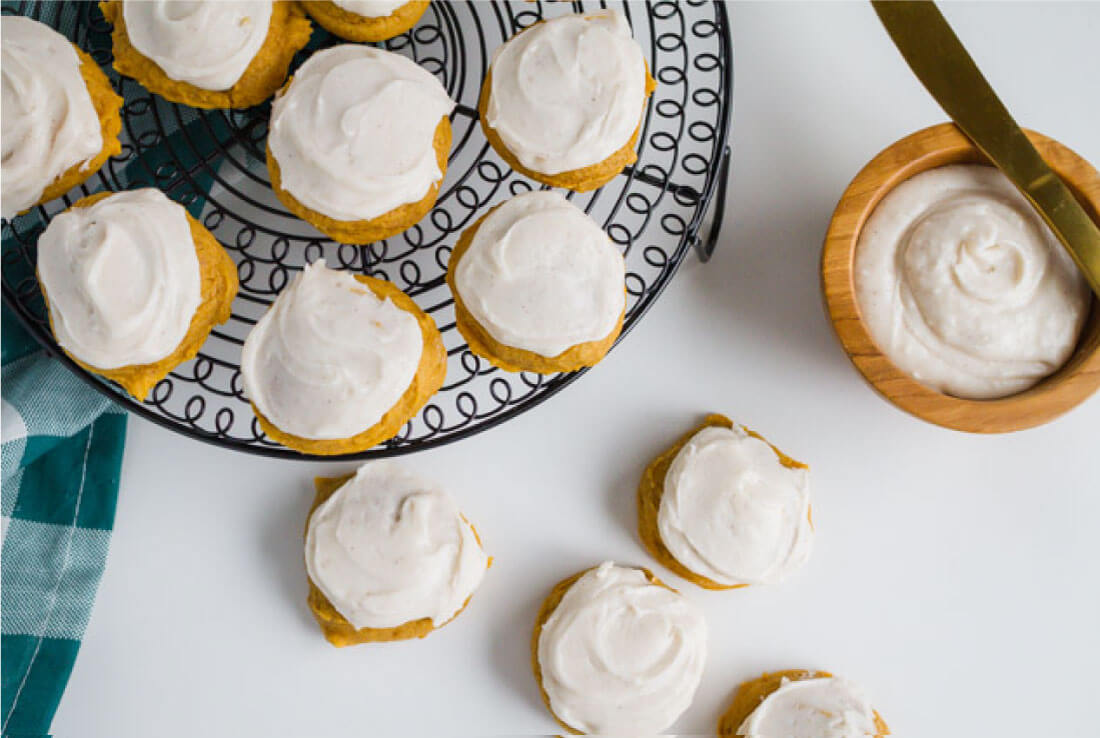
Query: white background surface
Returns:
{"type": "Point", "coordinates": [956, 577]}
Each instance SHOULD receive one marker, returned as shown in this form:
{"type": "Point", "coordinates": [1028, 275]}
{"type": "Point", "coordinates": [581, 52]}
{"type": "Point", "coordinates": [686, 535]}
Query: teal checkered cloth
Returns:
{"type": "Point", "coordinates": [62, 449]}
{"type": "Point", "coordinates": [62, 441]}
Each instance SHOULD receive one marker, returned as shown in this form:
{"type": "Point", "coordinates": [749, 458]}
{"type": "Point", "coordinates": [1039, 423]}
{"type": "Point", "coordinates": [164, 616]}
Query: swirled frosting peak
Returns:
{"type": "Point", "coordinates": [568, 93]}
{"type": "Point", "coordinates": [732, 512]}
{"type": "Point", "coordinates": [963, 287]}
{"type": "Point", "coordinates": [329, 358]}
{"type": "Point", "coordinates": [205, 43]}
{"type": "Point", "coordinates": [370, 8]}
{"type": "Point", "coordinates": [826, 707]}
{"type": "Point", "coordinates": [388, 548]}
{"type": "Point", "coordinates": [541, 275]}
{"type": "Point", "coordinates": [122, 278]}
{"type": "Point", "coordinates": [621, 655]}
{"type": "Point", "coordinates": [353, 135]}
{"type": "Point", "coordinates": [49, 123]}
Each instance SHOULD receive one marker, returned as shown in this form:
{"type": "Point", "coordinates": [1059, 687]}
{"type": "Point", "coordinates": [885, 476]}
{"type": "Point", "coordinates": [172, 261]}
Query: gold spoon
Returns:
{"type": "Point", "coordinates": [938, 58]}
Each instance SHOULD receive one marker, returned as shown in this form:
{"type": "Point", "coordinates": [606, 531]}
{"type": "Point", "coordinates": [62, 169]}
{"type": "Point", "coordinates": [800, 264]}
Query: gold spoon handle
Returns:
{"type": "Point", "coordinates": [942, 64]}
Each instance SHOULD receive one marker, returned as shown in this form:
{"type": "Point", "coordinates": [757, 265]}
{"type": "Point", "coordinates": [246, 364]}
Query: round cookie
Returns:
{"type": "Point", "coordinates": [576, 164]}
{"type": "Point", "coordinates": [288, 32]}
{"type": "Point", "coordinates": [337, 629]}
{"type": "Point", "coordinates": [373, 183]}
{"type": "Point", "coordinates": [751, 694]}
{"type": "Point", "coordinates": [385, 381]}
{"type": "Point", "coordinates": [366, 20]}
{"type": "Point", "coordinates": [587, 698]}
{"type": "Point", "coordinates": [53, 179]}
{"type": "Point", "coordinates": [651, 490]}
{"type": "Point", "coordinates": [374, 229]}
{"type": "Point", "coordinates": [530, 317]}
{"type": "Point", "coordinates": [216, 282]}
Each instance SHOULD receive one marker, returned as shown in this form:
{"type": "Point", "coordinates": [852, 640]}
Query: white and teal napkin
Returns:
{"type": "Point", "coordinates": [61, 453]}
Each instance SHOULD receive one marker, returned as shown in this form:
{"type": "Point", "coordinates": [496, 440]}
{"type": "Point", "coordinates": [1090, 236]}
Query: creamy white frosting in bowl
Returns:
{"type": "Point", "coordinates": [540, 275]}
{"type": "Point", "coordinates": [49, 122]}
{"type": "Point", "coordinates": [569, 92]}
{"type": "Point", "coordinates": [329, 358]}
{"type": "Point", "coordinates": [122, 278]}
{"type": "Point", "coordinates": [938, 146]}
{"type": "Point", "coordinates": [730, 511]}
{"type": "Point", "coordinates": [388, 548]}
{"type": "Point", "coordinates": [963, 287]}
{"type": "Point", "coordinates": [353, 134]}
{"type": "Point", "coordinates": [621, 655]}
{"type": "Point", "coordinates": [823, 707]}
{"type": "Point", "coordinates": [205, 43]}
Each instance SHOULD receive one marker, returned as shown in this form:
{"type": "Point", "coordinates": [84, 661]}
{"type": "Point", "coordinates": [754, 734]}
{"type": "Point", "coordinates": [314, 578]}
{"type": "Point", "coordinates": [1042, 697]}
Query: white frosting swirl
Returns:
{"type": "Point", "coordinates": [542, 276]}
{"type": "Point", "coordinates": [388, 548]}
{"type": "Point", "coordinates": [370, 8]}
{"type": "Point", "coordinates": [568, 93]}
{"type": "Point", "coordinates": [731, 512]}
{"type": "Point", "coordinates": [329, 358]}
{"type": "Point", "coordinates": [963, 286]}
{"type": "Point", "coordinates": [812, 708]}
{"type": "Point", "coordinates": [353, 135]}
{"type": "Point", "coordinates": [205, 43]}
{"type": "Point", "coordinates": [49, 123]}
{"type": "Point", "coordinates": [620, 654]}
{"type": "Point", "coordinates": [122, 278]}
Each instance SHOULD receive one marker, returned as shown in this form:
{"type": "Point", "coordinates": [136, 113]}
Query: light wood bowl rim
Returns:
{"type": "Point", "coordinates": [928, 148]}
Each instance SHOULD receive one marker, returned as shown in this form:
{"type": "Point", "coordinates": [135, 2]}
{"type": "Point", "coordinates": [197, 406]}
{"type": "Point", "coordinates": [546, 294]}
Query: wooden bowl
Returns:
{"type": "Point", "coordinates": [926, 149]}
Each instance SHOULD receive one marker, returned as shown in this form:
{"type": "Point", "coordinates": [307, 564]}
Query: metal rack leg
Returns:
{"type": "Point", "coordinates": [704, 247]}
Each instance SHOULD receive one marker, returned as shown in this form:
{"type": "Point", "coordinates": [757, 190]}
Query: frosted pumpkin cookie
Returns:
{"type": "Point", "coordinates": [538, 286]}
{"type": "Point", "coordinates": [617, 652]}
{"type": "Point", "coordinates": [340, 362]}
{"type": "Point", "coordinates": [133, 285]}
{"type": "Point", "coordinates": [723, 508]}
{"type": "Point", "coordinates": [389, 556]}
{"type": "Point", "coordinates": [60, 115]}
{"type": "Point", "coordinates": [209, 53]}
{"type": "Point", "coordinates": [562, 101]}
{"type": "Point", "coordinates": [358, 143]}
{"type": "Point", "coordinates": [801, 704]}
{"type": "Point", "coordinates": [366, 20]}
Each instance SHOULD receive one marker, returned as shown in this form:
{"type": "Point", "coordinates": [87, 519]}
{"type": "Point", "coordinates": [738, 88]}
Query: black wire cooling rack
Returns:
{"type": "Point", "coordinates": [213, 163]}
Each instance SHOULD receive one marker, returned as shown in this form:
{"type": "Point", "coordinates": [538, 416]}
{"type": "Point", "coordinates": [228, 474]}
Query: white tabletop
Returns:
{"type": "Point", "coordinates": [956, 577]}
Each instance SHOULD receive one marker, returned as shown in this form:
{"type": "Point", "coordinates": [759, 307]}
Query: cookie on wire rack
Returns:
{"type": "Point", "coordinates": [207, 54]}
{"type": "Point", "coordinates": [340, 362]}
{"type": "Point", "coordinates": [366, 20]}
{"type": "Point", "coordinates": [133, 285]}
{"type": "Point", "coordinates": [538, 286]}
{"type": "Point", "coordinates": [563, 100]}
{"type": "Point", "coordinates": [60, 115]}
{"type": "Point", "coordinates": [358, 143]}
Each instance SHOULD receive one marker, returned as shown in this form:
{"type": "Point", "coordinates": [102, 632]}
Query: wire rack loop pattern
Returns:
{"type": "Point", "coordinates": [212, 162]}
